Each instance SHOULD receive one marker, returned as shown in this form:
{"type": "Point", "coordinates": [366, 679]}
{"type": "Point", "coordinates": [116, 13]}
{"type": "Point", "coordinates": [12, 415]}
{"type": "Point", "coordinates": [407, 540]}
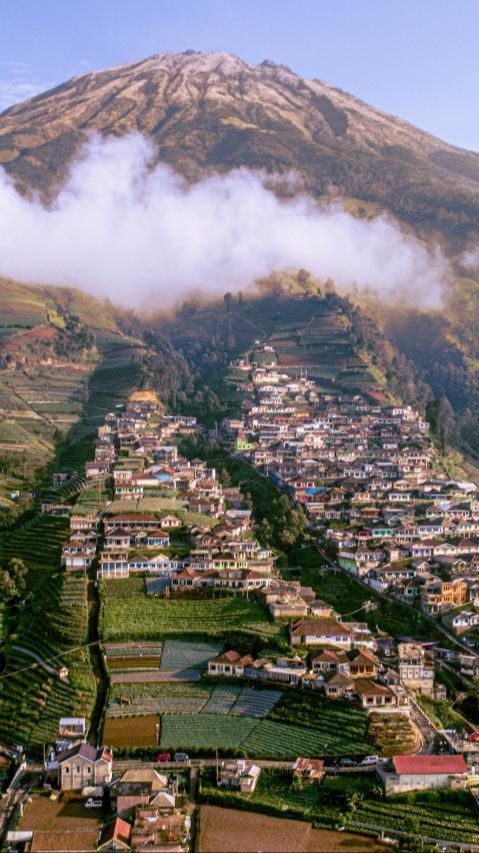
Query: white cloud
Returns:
{"type": "Point", "coordinates": [14, 91]}
{"type": "Point", "coordinates": [140, 235]}
{"type": "Point", "coordinates": [17, 83]}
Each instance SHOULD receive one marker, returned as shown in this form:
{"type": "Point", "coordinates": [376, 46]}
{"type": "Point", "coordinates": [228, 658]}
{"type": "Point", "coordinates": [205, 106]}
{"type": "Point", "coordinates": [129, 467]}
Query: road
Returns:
{"type": "Point", "coordinates": [426, 729]}
{"type": "Point", "coordinates": [29, 653]}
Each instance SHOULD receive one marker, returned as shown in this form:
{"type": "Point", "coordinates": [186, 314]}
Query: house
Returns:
{"type": "Point", "coordinates": [336, 684]}
{"type": "Point", "coordinates": [163, 833]}
{"type": "Point", "coordinates": [416, 772]}
{"type": "Point", "coordinates": [115, 836]}
{"type": "Point", "coordinates": [415, 672]}
{"type": "Point", "coordinates": [309, 769]}
{"type": "Point", "coordinates": [373, 696]}
{"type": "Point", "coordinates": [229, 663]}
{"type": "Point", "coordinates": [170, 522]}
{"type": "Point", "coordinates": [84, 765]}
{"type": "Point", "coordinates": [438, 595]}
{"type": "Point", "coordinates": [362, 664]}
{"type": "Point", "coordinates": [461, 621]}
{"type": "Point", "coordinates": [320, 610]}
{"type": "Point", "coordinates": [238, 775]}
{"type": "Point", "coordinates": [289, 670]}
{"type": "Point", "coordinates": [318, 632]}
{"type": "Point", "coordinates": [140, 787]}
{"type": "Point", "coordinates": [71, 730]}
{"type": "Point", "coordinates": [330, 660]}
{"type": "Point", "coordinates": [118, 538]}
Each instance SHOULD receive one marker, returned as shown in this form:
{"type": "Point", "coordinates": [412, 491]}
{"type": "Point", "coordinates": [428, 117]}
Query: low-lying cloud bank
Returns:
{"type": "Point", "coordinates": [142, 237]}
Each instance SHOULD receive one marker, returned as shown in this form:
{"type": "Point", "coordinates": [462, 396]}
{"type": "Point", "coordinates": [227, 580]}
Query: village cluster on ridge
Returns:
{"type": "Point", "coordinates": [227, 673]}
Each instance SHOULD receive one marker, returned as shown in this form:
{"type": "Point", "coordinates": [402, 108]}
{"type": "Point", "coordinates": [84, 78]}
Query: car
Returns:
{"type": "Point", "coordinates": [474, 737]}
{"type": "Point", "coordinates": [370, 759]}
{"type": "Point", "coordinates": [181, 756]}
{"type": "Point", "coordinates": [93, 803]}
{"type": "Point", "coordinates": [347, 762]}
{"type": "Point", "coordinates": [163, 756]}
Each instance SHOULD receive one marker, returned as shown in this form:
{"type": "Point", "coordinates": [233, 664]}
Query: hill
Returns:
{"type": "Point", "coordinates": [53, 345]}
{"type": "Point", "coordinates": [214, 112]}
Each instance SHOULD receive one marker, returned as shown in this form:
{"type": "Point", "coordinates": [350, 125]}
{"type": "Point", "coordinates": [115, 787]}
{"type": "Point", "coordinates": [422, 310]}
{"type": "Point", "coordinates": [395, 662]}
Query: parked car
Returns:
{"type": "Point", "coordinates": [93, 803]}
{"type": "Point", "coordinates": [347, 762]}
{"type": "Point", "coordinates": [370, 759]}
{"type": "Point", "coordinates": [181, 756]}
{"type": "Point", "coordinates": [163, 756]}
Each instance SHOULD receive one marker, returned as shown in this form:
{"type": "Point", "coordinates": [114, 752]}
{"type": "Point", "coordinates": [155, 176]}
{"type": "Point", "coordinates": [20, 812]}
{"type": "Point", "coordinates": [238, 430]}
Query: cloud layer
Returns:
{"type": "Point", "coordinates": [137, 234]}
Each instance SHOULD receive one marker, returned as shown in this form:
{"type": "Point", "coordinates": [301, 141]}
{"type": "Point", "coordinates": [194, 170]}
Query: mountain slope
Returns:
{"type": "Point", "coordinates": [215, 112]}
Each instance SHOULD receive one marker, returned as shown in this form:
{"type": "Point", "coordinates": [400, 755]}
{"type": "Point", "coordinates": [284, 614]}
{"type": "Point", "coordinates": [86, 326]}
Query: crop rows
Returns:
{"type": "Point", "coordinates": [434, 824]}
{"type": "Point", "coordinates": [256, 738]}
{"type": "Point", "coordinates": [256, 703]}
{"type": "Point", "coordinates": [187, 655]}
{"type": "Point", "coordinates": [205, 731]}
{"type": "Point", "coordinates": [222, 700]}
{"type": "Point", "coordinates": [139, 617]}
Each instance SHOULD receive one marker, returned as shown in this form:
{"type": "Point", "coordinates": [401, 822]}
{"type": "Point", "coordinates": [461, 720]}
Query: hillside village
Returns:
{"type": "Point", "coordinates": [212, 647]}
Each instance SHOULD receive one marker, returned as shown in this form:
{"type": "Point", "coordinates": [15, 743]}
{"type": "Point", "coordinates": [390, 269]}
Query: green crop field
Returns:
{"type": "Point", "coordinates": [141, 617]}
{"type": "Point", "coordinates": [279, 740]}
{"type": "Point", "coordinates": [207, 731]}
{"type": "Point", "coordinates": [256, 738]}
{"type": "Point", "coordinates": [181, 654]}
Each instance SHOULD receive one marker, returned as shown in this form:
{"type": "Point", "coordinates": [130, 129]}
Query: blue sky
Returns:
{"type": "Point", "coordinates": [413, 58]}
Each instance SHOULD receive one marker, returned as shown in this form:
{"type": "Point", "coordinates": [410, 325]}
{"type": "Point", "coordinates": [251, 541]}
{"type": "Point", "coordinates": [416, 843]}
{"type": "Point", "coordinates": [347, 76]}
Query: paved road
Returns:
{"type": "Point", "coordinates": [29, 653]}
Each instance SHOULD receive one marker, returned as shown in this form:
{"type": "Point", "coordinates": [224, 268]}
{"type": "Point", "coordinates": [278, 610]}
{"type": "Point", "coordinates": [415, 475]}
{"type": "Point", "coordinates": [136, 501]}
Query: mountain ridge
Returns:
{"type": "Point", "coordinates": [213, 112]}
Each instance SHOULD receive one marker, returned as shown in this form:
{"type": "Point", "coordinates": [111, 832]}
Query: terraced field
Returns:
{"type": "Point", "coordinates": [139, 617]}
{"type": "Point", "coordinates": [187, 698]}
{"type": "Point", "coordinates": [179, 654]}
{"type": "Point", "coordinates": [258, 738]}
{"type": "Point", "coordinates": [208, 731]}
{"type": "Point", "coordinates": [53, 621]}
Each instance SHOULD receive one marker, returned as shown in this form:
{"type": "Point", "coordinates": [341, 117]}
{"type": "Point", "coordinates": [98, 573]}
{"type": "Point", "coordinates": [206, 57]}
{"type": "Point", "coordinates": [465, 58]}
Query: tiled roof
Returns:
{"type": "Point", "coordinates": [429, 764]}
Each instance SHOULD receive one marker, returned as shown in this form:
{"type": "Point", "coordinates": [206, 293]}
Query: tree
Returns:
{"type": "Point", "coordinates": [13, 581]}
{"type": "Point", "coordinates": [8, 589]}
{"type": "Point", "coordinates": [303, 277]}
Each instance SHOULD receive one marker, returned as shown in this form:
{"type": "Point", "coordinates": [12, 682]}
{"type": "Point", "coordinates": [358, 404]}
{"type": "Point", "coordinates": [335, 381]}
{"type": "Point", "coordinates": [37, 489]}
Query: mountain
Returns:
{"type": "Point", "coordinates": [214, 112]}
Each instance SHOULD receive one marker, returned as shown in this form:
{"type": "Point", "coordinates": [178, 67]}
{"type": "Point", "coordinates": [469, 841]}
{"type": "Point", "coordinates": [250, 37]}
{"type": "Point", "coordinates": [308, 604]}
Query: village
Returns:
{"type": "Point", "coordinates": [161, 524]}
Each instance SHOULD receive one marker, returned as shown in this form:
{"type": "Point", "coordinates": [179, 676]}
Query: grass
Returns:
{"type": "Point", "coordinates": [140, 617]}
{"type": "Point", "coordinates": [441, 713]}
{"type": "Point", "coordinates": [346, 595]}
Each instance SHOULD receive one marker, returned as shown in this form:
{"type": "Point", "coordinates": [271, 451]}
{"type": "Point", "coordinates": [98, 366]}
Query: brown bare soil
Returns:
{"type": "Point", "coordinates": [147, 662]}
{"type": "Point", "coordinates": [235, 831]}
{"type": "Point", "coordinates": [131, 731]}
{"type": "Point", "coordinates": [59, 826]}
